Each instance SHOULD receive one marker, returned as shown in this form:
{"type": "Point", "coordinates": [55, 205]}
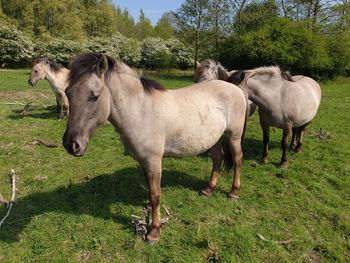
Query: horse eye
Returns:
{"type": "Point", "coordinates": [94, 98]}
{"type": "Point", "coordinates": [35, 70]}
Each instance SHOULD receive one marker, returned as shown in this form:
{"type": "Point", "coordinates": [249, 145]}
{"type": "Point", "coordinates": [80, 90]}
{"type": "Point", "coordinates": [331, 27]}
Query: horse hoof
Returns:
{"type": "Point", "coordinates": [284, 165]}
{"type": "Point", "coordinates": [233, 197]}
{"type": "Point", "coordinates": [264, 160]}
{"type": "Point", "coordinates": [206, 192]}
{"type": "Point", "coordinates": [152, 242]}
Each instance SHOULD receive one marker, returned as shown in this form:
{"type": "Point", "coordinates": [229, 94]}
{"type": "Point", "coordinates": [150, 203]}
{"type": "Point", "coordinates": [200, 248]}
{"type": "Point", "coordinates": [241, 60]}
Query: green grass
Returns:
{"type": "Point", "coordinates": [79, 209]}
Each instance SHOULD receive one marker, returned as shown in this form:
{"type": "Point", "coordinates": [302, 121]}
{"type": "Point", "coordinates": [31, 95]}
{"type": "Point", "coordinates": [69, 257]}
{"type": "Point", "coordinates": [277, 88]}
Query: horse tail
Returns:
{"type": "Point", "coordinates": [228, 162]}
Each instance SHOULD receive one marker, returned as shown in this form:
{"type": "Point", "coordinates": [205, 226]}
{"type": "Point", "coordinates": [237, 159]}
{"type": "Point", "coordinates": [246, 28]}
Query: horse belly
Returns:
{"type": "Point", "coordinates": [195, 135]}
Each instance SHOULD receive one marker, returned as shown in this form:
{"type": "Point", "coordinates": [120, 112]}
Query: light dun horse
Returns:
{"type": "Point", "coordinates": [285, 102]}
{"type": "Point", "coordinates": [210, 69]}
{"type": "Point", "coordinates": [56, 75]}
{"type": "Point", "coordinates": [154, 122]}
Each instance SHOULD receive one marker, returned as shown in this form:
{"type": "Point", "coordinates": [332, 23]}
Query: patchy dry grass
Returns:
{"type": "Point", "coordinates": [79, 209]}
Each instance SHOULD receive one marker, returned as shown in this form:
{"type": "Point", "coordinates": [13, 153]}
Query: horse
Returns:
{"type": "Point", "coordinates": [284, 101]}
{"type": "Point", "coordinates": [55, 74]}
{"type": "Point", "coordinates": [154, 122]}
{"type": "Point", "coordinates": [210, 69]}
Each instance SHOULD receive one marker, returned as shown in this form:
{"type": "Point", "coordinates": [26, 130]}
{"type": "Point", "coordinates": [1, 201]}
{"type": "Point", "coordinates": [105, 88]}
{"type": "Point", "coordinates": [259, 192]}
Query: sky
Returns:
{"type": "Point", "coordinates": [153, 9]}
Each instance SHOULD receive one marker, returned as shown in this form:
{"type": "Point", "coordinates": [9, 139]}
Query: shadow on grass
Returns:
{"type": "Point", "coordinates": [93, 197]}
{"type": "Point", "coordinates": [252, 149]}
{"type": "Point", "coordinates": [49, 112]}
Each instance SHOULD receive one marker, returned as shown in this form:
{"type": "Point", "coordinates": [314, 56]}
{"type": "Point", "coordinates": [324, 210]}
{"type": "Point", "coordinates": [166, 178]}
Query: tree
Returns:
{"type": "Point", "coordinates": [164, 28]}
{"type": "Point", "coordinates": [144, 27]}
{"type": "Point", "coordinates": [255, 16]}
{"type": "Point", "coordinates": [192, 19]}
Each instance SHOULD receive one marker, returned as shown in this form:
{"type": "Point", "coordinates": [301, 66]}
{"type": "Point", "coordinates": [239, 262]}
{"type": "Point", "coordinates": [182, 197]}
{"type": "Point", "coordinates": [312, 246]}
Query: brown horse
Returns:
{"type": "Point", "coordinates": [56, 74]}
{"type": "Point", "coordinates": [210, 69]}
{"type": "Point", "coordinates": [154, 122]}
{"type": "Point", "coordinates": [285, 102]}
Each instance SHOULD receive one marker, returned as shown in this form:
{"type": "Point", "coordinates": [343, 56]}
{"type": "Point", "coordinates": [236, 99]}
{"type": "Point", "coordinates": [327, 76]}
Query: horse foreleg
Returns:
{"type": "Point", "coordinates": [284, 145]}
{"type": "Point", "coordinates": [153, 172]}
{"type": "Point", "coordinates": [217, 158]}
{"type": "Point", "coordinates": [237, 157]}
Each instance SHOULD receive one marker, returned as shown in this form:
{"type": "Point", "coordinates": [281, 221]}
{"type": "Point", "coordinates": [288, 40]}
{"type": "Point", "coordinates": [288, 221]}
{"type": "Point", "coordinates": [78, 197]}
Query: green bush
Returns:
{"type": "Point", "coordinates": [60, 50]}
{"type": "Point", "coordinates": [102, 45]}
{"type": "Point", "coordinates": [289, 44]}
{"type": "Point", "coordinates": [155, 54]}
{"type": "Point", "coordinates": [129, 49]}
{"type": "Point", "coordinates": [183, 55]}
{"type": "Point", "coordinates": [15, 48]}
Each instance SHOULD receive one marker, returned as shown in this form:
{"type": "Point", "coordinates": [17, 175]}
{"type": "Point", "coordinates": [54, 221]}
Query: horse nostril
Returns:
{"type": "Point", "coordinates": [75, 147]}
{"type": "Point", "coordinates": [30, 82]}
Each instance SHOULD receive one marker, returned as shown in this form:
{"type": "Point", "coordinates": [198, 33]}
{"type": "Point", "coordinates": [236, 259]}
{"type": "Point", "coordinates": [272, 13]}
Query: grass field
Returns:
{"type": "Point", "coordinates": [79, 209]}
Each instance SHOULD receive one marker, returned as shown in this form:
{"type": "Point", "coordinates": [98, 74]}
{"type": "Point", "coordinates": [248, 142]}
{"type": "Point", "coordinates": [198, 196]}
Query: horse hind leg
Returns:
{"type": "Point", "coordinates": [217, 156]}
{"type": "Point", "coordinates": [294, 138]}
{"type": "Point", "coordinates": [284, 145]}
{"type": "Point", "coordinates": [266, 140]}
{"type": "Point", "coordinates": [237, 158]}
{"type": "Point", "coordinates": [301, 132]}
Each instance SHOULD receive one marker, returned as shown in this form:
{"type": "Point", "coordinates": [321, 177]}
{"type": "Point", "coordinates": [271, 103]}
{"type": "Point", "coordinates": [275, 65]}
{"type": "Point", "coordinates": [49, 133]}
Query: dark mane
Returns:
{"type": "Point", "coordinates": [85, 64]}
{"type": "Point", "coordinates": [150, 85]}
{"type": "Point", "coordinates": [54, 66]}
{"type": "Point", "coordinates": [287, 76]}
{"type": "Point", "coordinates": [236, 77]}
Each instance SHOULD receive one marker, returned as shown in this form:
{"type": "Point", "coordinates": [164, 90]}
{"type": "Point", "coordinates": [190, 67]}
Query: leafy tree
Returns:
{"type": "Point", "coordinates": [164, 28]}
{"type": "Point", "coordinates": [289, 44]}
{"type": "Point", "coordinates": [255, 16]}
{"type": "Point", "coordinates": [192, 20]}
{"type": "Point", "coordinates": [144, 27]}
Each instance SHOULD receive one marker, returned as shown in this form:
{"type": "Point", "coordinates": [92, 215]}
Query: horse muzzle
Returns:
{"type": "Point", "coordinates": [74, 146]}
{"type": "Point", "coordinates": [30, 82]}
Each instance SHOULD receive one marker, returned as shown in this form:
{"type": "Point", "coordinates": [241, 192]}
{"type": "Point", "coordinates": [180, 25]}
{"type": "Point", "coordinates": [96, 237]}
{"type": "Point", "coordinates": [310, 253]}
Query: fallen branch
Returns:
{"type": "Point", "coordinates": [13, 197]}
{"type": "Point", "coordinates": [281, 242]}
{"type": "Point", "coordinates": [321, 134]}
{"type": "Point", "coordinates": [28, 107]}
{"type": "Point", "coordinates": [47, 144]}
{"type": "Point", "coordinates": [141, 224]}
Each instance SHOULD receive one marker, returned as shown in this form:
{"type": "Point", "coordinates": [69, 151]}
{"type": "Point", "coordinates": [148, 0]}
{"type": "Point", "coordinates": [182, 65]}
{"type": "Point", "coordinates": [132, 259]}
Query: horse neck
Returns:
{"type": "Point", "coordinates": [57, 79]}
{"type": "Point", "coordinates": [223, 74]}
{"type": "Point", "coordinates": [127, 98]}
{"type": "Point", "coordinates": [261, 93]}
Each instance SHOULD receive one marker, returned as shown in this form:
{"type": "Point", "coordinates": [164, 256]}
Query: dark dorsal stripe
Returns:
{"type": "Point", "coordinates": [150, 85]}
{"type": "Point", "coordinates": [236, 77]}
{"type": "Point", "coordinates": [287, 76]}
{"type": "Point", "coordinates": [54, 66]}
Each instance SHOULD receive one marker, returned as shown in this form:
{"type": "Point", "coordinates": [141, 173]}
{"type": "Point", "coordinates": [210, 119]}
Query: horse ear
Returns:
{"type": "Point", "coordinates": [198, 64]}
{"type": "Point", "coordinates": [102, 65]}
